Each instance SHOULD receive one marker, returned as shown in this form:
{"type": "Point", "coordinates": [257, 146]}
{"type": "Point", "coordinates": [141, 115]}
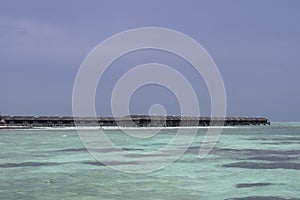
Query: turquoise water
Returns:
{"type": "Point", "coordinates": [246, 163]}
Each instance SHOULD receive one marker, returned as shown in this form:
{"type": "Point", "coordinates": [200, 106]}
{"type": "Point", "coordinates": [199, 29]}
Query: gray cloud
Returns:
{"type": "Point", "coordinates": [255, 45]}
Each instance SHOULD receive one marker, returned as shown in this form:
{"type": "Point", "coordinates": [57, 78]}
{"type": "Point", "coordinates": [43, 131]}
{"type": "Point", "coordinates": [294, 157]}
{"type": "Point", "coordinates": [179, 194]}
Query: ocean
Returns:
{"type": "Point", "coordinates": [257, 162]}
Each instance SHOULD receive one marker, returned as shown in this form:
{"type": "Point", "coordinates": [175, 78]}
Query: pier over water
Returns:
{"type": "Point", "coordinates": [130, 121]}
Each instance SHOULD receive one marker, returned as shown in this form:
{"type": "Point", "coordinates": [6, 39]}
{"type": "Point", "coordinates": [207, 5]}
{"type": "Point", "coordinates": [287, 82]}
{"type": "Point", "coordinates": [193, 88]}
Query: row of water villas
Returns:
{"type": "Point", "coordinates": [130, 121]}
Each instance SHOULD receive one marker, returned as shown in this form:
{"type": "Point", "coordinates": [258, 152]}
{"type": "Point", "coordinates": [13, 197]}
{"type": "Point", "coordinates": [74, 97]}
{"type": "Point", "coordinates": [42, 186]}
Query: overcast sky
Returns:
{"type": "Point", "coordinates": [255, 44]}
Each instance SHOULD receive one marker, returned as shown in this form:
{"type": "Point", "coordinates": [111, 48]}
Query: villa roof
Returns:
{"type": "Point", "coordinates": [23, 118]}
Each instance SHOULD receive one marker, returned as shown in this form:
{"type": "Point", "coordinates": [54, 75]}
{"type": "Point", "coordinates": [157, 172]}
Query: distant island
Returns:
{"type": "Point", "coordinates": [129, 121]}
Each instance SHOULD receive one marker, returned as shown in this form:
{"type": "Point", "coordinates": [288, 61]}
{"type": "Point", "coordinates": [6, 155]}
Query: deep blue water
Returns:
{"type": "Point", "coordinates": [246, 163]}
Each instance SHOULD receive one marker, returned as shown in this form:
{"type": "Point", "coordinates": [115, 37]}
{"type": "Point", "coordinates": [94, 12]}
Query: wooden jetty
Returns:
{"type": "Point", "coordinates": [130, 121]}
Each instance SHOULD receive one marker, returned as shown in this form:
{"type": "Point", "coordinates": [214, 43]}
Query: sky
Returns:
{"type": "Point", "coordinates": [254, 43]}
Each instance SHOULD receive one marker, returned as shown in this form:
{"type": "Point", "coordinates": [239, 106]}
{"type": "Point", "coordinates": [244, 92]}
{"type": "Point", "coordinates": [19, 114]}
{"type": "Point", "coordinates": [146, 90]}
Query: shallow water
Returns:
{"type": "Point", "coordinates": [246, 163]}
